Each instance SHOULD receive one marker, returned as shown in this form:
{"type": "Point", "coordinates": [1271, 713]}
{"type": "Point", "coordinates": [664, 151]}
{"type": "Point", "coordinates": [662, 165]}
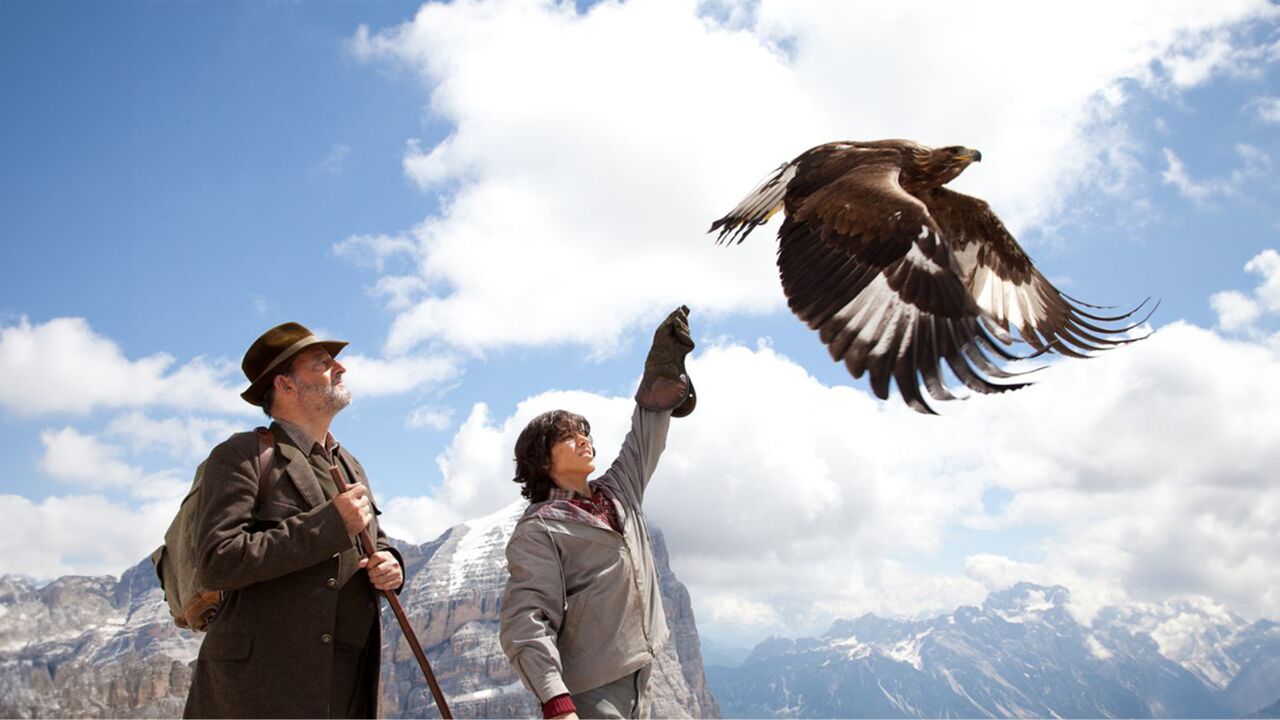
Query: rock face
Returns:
{"type": "Point", "coordinates": [453, 600]}
{"type": "Point", "coordinates": [1019, 655]}
{"type": "Point", "coordinates": [95, 647]}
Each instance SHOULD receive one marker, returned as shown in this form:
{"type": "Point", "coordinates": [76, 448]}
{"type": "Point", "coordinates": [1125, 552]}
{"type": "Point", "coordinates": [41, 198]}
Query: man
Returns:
{"type": "Point", "coordinates": [298, 634]}
{"type": "Point", "coordinates": [582, 616]}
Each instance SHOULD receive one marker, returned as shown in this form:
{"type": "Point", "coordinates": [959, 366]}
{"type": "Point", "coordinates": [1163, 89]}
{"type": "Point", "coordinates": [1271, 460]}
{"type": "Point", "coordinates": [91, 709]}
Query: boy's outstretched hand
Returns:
{"type": "Point", "coordinates": [666, 385]}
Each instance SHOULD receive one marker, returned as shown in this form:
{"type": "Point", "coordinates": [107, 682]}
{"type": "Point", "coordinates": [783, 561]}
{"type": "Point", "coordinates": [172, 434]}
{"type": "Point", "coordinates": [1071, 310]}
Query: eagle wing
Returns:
{"type": "Point", "coordinates": [1008, 289]}
{"type": "Point", "coordinates": [863, 262]}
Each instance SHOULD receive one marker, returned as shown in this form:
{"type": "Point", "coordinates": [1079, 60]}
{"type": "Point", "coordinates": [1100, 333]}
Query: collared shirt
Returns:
{"type": "Point", "coordinates": [599, 504]}
{"type": "Point", "coordinates": [304, 441]}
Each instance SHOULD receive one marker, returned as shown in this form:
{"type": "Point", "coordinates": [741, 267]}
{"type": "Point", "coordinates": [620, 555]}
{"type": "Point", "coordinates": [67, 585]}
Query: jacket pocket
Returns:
{"type": "Point", "coordinates": [226, 646]}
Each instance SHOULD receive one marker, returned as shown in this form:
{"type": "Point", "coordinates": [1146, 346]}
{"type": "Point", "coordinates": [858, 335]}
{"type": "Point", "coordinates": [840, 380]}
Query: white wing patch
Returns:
{"type": "Point", "coordinates": [1006, 302]}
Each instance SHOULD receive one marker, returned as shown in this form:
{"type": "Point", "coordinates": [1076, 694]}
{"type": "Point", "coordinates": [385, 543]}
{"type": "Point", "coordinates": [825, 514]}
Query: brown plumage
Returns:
{"type": "Point", "coordinates": [899, 274]}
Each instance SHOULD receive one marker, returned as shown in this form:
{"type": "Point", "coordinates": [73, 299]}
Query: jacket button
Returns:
{"type": "Point", "coordinates": [331, 583]}
{"type": "Point", "coordinates": [326, 639]}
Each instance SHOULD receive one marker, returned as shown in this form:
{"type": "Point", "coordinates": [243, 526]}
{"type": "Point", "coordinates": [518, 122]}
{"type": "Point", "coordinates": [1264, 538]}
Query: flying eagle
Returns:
{"type": "Point", "coordinates": [898, 273]}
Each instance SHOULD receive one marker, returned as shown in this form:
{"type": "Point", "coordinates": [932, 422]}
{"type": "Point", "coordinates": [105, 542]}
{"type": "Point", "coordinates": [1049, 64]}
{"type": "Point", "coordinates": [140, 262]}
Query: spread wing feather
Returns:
{"type": "Point", "coordinates": [1008, 288]}
{"type": "Point", "coordinates": [905, 286]}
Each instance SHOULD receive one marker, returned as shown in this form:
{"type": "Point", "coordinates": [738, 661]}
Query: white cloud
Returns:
{"type": "Point", "coordinates": [78, 534]}
{"type": "Point", "coordinates": [1254, 163]}
{"type": "Point", "coordinates": [433, 417]}
{"type": "Point", "coordinates": [374, 250]}
{"type": "Point", "coordinates": [187, 439]}
{"type": "Point", "coordinates": [1267, 108]}
{"type": "Point", "coordinates": [64, 366]}
{"type": "Point", "coordinates": [566, 180]}
{"type": "Point", "coordinates": [71, 456]}
{"type": "Point", "coordinates": [376, 377]}
{"type": "Point", "coordinates": [1267, 264]}
{"type": "Point", "coordinates": [786, 502]}
{"type": "Point", "coordinates": [1238, 312]}
{"type": "Point", "coordinates": [1235, 310]}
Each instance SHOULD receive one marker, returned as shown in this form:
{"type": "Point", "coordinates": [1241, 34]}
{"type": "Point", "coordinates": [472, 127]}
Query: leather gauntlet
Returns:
{"type": "Point", "coordinates": [666, 385]}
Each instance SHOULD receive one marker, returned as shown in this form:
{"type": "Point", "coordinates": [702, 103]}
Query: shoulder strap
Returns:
{"type": "Point", "coordinates": [266, 453]}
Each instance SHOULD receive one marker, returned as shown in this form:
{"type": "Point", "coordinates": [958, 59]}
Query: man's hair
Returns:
{"type": "Point", "coordinates": [269, 395]}
{"type": "Point", "coordinates": [533, 450]}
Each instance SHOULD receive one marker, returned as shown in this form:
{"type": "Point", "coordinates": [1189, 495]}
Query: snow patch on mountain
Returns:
{"type": "Point", "coordinates": [479, 542]}
{"type": "Point", "coordinates": [908, 650]}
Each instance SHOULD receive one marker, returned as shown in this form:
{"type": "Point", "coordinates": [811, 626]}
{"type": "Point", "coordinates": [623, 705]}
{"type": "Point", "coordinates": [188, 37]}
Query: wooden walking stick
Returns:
{"type": "Point", "coordinates": [390, 595]}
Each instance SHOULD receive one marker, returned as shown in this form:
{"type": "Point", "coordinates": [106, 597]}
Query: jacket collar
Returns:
{"type": "Point", "coordinates": [298, 468]}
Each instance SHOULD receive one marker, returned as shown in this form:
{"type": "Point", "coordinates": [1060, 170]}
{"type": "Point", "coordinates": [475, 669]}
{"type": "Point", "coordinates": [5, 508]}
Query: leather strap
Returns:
{"type": "Point", "coordinates": [266, 453]}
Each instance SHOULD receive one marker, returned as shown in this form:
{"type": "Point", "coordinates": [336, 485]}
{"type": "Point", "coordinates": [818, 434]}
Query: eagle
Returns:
{"type": "Point", "coordinates": [899, 274]}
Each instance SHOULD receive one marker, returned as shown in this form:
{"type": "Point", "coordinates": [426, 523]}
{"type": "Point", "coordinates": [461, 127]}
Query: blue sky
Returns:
{"type": "Point", "coordinates": [495, 202]}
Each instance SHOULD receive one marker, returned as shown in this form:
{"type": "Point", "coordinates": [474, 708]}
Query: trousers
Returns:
{"type": "Point", "coordinates": [626, 697]}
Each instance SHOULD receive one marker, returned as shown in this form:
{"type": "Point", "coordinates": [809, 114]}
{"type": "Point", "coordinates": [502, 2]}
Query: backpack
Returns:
{"type": "Point", "coordinates": [175, 561]}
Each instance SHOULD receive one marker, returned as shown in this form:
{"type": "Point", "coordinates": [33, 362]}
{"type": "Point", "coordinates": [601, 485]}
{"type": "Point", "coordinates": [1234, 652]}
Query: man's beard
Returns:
{"type": "Point", "coordinates": [324, 398]}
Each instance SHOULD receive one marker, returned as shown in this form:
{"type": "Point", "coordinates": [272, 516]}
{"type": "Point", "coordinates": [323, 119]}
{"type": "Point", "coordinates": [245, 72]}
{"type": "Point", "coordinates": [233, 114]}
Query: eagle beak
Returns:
{"type": "Point", "coordinates": [972, 155]}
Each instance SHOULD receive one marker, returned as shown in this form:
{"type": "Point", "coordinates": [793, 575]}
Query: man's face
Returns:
{"type": "Point", "coordinates": [573, 455]}
{"type": "Point", "coordinates": [318, 379]}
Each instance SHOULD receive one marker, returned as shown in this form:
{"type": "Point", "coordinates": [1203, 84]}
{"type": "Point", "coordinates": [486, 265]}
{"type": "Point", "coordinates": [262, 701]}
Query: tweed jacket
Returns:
{"type": "Point", "coordinates": [582, 607]}
{"type": "Point", "coordinates": [269, 653]}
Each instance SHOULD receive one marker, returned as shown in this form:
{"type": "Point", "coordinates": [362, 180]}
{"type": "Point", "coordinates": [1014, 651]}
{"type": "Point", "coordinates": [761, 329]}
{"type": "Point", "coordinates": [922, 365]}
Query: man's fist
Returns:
{"type": "Point", "coordinates": [355, 508]}
{"type": "Point", "coordinates": [384, 571]}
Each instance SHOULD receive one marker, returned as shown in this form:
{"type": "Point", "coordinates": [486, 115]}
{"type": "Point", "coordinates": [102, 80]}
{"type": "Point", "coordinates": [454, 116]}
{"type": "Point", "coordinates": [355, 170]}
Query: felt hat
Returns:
{"type": "Point", "coordinates": [272, 352]}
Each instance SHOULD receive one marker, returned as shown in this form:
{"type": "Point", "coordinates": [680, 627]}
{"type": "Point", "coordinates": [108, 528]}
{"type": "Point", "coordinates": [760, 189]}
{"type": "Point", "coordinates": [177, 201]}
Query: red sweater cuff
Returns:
{"type": "Point", "coordinates": [558, 705]}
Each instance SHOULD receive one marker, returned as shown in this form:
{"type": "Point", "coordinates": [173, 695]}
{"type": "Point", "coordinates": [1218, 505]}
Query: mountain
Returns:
{"type": "Point", "coordinates": [1019, 654]}
{"type": "Point", "coordinates": [98, 647]}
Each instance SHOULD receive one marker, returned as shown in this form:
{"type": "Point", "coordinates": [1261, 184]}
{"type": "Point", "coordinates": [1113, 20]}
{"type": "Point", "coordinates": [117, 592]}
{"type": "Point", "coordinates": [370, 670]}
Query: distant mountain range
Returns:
{"type": "Point", "coordinates": [102, 647]}
{"type": "Point", "coordinates": [1019, 655]}
{"type": "Point", "coordinates": [98, 647]}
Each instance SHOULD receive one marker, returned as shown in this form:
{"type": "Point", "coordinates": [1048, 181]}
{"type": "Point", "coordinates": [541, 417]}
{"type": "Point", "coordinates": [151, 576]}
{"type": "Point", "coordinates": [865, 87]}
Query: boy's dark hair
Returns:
{"type": "Point", "coordinates": [533, 450]}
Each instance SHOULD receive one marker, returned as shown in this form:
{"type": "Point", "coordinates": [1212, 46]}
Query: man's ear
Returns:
{"type": "Point", "coordinates": [282, 383]}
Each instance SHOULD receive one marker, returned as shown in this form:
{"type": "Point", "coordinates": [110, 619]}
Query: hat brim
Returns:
{"type": "Point", "coordinates": [254, 394]}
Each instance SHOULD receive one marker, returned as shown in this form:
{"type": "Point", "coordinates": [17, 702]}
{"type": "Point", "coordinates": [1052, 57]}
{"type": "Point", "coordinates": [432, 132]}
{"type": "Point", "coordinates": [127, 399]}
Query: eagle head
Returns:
{"type": "Point", "coordinates": [937, 167]}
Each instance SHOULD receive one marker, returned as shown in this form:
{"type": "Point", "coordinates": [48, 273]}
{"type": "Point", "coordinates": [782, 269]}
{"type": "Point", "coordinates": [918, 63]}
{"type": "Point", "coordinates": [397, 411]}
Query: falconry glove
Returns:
{"type": "Point", "coordinates": [666, 385]}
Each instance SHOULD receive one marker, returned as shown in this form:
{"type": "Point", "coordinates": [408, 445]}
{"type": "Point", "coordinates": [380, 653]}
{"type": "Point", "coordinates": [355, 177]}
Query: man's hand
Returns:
{"type": "Point", "coordinates": [666, 385]}
{"type": "Point", "coordinates": [355, 508]}
{"type": "Point", "coordinates": [567, 716]}
{"type": "Point", "coordinates": [384, 571]}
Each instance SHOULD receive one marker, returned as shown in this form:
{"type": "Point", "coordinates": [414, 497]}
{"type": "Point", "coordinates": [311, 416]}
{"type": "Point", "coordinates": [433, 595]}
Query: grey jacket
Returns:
{"type": "Point", "coordinates": [582, 607]}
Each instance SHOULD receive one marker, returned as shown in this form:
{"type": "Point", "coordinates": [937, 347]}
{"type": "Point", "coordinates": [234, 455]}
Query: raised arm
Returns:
{"type": "Point", "coordinates": [665, 392]}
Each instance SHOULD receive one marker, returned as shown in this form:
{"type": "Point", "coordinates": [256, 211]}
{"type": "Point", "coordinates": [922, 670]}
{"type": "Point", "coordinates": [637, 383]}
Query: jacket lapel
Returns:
{"type": "Point", "coordinates": [300, 472]}
{"type": "Point", "coordinates": [356, 473]}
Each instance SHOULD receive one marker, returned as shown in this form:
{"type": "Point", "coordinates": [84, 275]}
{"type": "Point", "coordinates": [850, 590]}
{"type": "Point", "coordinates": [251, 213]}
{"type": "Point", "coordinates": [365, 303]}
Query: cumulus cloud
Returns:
{"type": "Point", "coordinates": [786, 502]}
{"type": "Point", "coordinates": [376, 377]}
{"type": "Point", "coordinates": [74, 457]}
{"type": "Point", "coordinates": [564, 180]}
{"type": "Point", "coordinates": [184, 438]}
{"type": "Point", "coordinates": [64, 366]}
{"type": "Point", "coordinates": [78, 534]}
{"type": "Point", "coordinates": [1238, 312]}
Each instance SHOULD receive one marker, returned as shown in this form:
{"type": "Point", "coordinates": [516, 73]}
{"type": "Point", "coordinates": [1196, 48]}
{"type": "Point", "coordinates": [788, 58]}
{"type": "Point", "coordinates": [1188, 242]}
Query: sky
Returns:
{"type": "Point", "coordinates": [496, 203]}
